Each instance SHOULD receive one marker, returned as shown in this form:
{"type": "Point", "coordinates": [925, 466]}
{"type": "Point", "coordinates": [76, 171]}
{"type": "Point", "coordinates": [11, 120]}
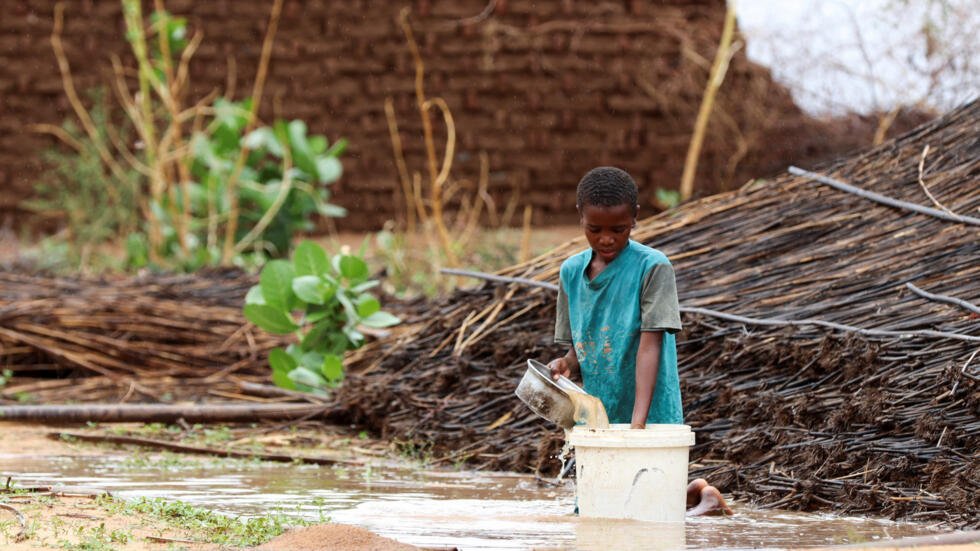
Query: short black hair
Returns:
{"type": "Point", "coordinates": [607, 186]}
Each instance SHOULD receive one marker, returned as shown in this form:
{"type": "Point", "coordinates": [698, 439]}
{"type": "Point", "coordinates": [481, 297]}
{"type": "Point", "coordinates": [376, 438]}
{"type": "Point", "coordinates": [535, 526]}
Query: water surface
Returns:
{"type": "Point", "coordinates": [466, 509]}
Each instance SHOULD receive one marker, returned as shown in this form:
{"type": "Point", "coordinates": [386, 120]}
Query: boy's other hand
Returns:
{"type": "Point", "coordinates": [559, 367]}
{"type": "Point", "coordinates": [640, 426]}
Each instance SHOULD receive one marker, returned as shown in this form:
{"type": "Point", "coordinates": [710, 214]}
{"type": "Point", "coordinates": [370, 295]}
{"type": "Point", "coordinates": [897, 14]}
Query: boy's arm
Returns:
{"type": "Point", "coordinates": [647, 367]}
{"type": "Point", "coordinates": [568, 364]}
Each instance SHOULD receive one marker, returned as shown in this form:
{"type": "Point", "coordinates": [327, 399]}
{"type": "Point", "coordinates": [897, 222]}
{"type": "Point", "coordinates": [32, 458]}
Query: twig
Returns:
{"type": "Point", "coordinates": [883, 199]}
{"type": "Point", "coordinates": [500, 279]}
{"type": "Point", "coordinates": [830, 324]}
{"type": "Point", "coordinates": [943, 298]}
{"type": "Point", "coordinates": [20, 518]}
{"type": "Point", "coordinates": [199, 450]}
{"type": "Point", "coordinates": [715, 78]}
{"type": "Point", "coordinates": [399, 152]}
{"type": "Point", "coordinates": [69, 85]}
{"type": "Point", "coordinates": [231, 226]}
{"type": "Point", "coordinates": [161, 539]}
{"type": "Point", "coordinates": [285, 186]}
{"type": "Point", "coordinates": [480, 17]}
{"type": "Point", "coordinates": [922, 162]}
{"type": "Point", "coordinates": [57, 132]}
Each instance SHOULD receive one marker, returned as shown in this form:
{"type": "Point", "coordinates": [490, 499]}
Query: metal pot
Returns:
{"type": "Point", "coordinates": [547, 397]}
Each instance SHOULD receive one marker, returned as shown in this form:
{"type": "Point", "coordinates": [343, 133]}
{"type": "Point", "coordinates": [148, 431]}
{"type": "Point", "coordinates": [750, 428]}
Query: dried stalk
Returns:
{"type": "Point", "coordinates": [231, 191]}
{"type": "Point", "coordinates": [284, 188]}
{"type": "Point", "coordinates": [68, 84]}
{"type": "Point", "coordinates": [717, 75]}
{"type": "Point", "coordinates": [885, 200]}
{"type": "Point", "coordinates": [922, 183]}
{"type": "Point", "coordinates": [396, 145]}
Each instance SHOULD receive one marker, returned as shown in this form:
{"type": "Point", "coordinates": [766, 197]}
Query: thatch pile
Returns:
{"type": "Point", "coordinates": [148, 338]}
{"type": "Point", "coordinates": [800, 417]}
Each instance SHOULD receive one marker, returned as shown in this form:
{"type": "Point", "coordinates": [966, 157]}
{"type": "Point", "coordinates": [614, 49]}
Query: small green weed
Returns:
{"type": "Point", "coordinates": [215, 528]}
{"type": "Point", "coordinates": [97, 539]}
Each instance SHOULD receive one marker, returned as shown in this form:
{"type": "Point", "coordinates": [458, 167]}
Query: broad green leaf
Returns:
{"type": "Point", "coordinates": [308, 377]}
{"type": "Point", "coordinates": [295, 352]}
{"type": "Point", "coordinates": [337, 148]}
{"type": "Point", "coordinates": [281, 379]}
{"type": "Point", "coordinates": [354, 336]}
{"type": "Point", "coordinates": [380, 319]}
{"type": "Point", "coordinates": [269, 318]}
{"type": "Point", "coordinates": [254, 296]}
{"type": "Point", "coordinates": [311, 360]}
{"type": "Point", "coordinates": [282, 363]}
{"type": "Point", "coordinates": [317, 335]}
{"type": "Point", "coordinates": [365, 286]}
{"type": "Point", "coordinates": [300, 147]}
{"type": "Point", "coordinates": [367, 306]}
{"type": "Point", "coordinates": [310, 289]}
{"type": "Point", "coordinates": [331, 210]}
{"type": "Point", "coordinates": [349, 309]}
{"type": "Point", "coordinates": [276, 281]}
{"type": "Point", "coordinates": [310, 259]}
{"type": "Point", "coordinates": [353, 268]}
{"type": "Point", "coordinates": [332, 368]}
{"type": "Point", "coordinates": [264, 139]}
{"type": "Point", "coordinates": [318, 144]}
{"type": "Point", "coordinates": [329, 169]}
{"type": "Point", "coordinates": [315, 315]}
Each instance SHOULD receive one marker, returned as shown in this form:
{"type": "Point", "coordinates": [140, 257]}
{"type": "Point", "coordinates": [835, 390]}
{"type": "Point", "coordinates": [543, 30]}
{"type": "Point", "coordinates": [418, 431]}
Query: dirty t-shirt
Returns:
{"type": "Point", "coordinates": [603, 318]}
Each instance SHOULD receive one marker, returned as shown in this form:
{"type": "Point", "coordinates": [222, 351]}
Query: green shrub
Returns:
{"type": "Point", "coordinates": [332, 299]}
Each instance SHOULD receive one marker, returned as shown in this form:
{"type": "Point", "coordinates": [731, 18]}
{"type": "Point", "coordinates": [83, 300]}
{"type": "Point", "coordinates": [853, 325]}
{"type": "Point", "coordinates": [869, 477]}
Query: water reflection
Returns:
{"type": "Point", "coordinates": [470, 510]}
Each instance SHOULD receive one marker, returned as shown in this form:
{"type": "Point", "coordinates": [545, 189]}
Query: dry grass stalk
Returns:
{"type": "Point", "coordinates": [231, 225]}
{"type": "Point", "coordinates": [715, 78]}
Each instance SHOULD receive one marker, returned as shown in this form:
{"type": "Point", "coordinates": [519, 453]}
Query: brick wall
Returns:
{"type": "Point", "coordinates": [548, 88]}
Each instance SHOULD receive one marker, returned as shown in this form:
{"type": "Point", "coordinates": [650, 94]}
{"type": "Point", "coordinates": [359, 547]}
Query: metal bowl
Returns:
{"type": "Point", "coordinates": [546, 397]}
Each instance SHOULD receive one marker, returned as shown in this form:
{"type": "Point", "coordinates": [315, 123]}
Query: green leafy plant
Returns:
{"type": "Point", "coordinates": [183, 186]}
{"type": "Point", "coordinates": [330, 296]}
{"type": "Point", "coordinates": [666, 199]}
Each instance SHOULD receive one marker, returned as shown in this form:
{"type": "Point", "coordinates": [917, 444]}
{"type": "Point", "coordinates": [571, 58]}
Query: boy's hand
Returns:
{"type": "Point", "coordinates": [640, 426]}
{"type": "Point", "coordinates": [559, 367]}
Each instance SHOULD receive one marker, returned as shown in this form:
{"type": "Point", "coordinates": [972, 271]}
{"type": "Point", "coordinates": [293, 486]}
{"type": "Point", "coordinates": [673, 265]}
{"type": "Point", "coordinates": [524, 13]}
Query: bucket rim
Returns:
{"type": "Point", "coordinates": [621, 435]}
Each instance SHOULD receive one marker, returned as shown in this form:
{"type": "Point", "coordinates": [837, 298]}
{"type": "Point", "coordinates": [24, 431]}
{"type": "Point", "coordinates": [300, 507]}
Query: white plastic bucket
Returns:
{"type": "Point", "coordinates": [632, 474]}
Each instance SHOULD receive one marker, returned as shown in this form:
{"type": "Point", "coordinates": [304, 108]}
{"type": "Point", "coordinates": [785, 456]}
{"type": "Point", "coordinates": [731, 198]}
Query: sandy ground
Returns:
{"type": "Point", "coordinates": [64, 522]}
{"type": "Point", "coordinates": [30, 439]}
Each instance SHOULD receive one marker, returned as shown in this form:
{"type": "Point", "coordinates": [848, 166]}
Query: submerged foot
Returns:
{"type": "Point", "coordinates": [709, 502]}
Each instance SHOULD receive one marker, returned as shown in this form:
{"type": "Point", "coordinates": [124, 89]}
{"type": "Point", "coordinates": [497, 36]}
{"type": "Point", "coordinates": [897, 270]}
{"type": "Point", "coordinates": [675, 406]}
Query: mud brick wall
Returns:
{"type": "Point", "coordinates": [548, 88]}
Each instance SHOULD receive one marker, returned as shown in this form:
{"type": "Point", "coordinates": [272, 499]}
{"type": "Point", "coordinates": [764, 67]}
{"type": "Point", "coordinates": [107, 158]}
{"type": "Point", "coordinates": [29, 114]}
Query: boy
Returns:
{"type": "Point", "coordinates": [618, 312]}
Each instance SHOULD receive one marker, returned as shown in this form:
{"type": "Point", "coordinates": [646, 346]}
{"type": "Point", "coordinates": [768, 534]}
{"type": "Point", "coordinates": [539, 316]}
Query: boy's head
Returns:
{"type": "Point", "coordinates": [607, 208]}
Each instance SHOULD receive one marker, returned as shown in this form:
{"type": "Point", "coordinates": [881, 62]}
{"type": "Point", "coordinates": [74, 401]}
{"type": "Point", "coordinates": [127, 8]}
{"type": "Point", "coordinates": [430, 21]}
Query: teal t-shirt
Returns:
{"type": "Point", "coordinates": [603, 318]}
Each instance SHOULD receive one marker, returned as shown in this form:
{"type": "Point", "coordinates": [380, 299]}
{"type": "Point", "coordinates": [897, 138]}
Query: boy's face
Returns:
{"type": "Point", "coordinates": [607, 228]}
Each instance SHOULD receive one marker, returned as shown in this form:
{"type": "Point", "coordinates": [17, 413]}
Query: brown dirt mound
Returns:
{"type": "Point", "coordinates": [333, 536]}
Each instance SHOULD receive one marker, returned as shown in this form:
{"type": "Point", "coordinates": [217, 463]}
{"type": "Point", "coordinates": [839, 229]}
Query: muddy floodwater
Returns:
{"type": "Point", "coordinates": [470, 510]}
